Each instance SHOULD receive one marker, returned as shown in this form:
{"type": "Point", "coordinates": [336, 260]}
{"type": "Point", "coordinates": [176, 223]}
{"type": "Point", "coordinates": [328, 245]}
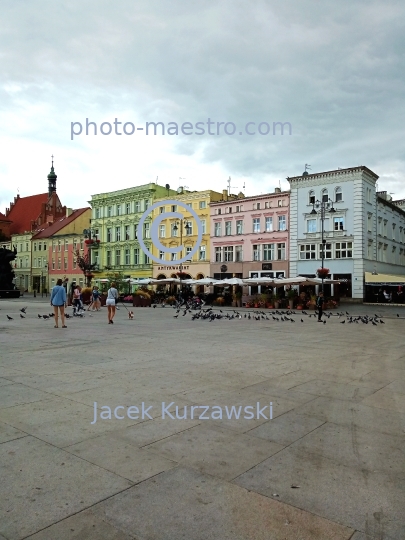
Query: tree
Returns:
{"type": "Point", "coordinates": [83, 262]}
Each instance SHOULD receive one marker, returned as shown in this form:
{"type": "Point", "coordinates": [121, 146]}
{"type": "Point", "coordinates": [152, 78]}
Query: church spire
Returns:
{"type": "Point", "coordinates": [52, 180]}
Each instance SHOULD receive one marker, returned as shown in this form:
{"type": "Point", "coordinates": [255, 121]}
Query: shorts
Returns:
{"type": "Point", "coordinates": [110, 302]}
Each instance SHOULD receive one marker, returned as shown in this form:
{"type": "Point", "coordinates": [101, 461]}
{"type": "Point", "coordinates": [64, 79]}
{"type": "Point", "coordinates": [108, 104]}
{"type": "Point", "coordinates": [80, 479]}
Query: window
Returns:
{"type": "Point", "coordinates": [282, 223]}
{"type": "Point", "coordinates": [385, 227]}
{"type": "Point", "coordinates": [59, 263]}
{"type": "Point", "coordinates": [109, 211]}
{"type": "Point", "coordinates": [324, 195]}
{"type": "Point", "coordinates": [146, 259]}
{"type": "Point", "coordinates": [338, 194]}
{"type": "Point", "coordinates": [281, 251]}
{"type": "Point", "coordinates": [189, 228]}
{"type": "Point", "coordinates": [35, 246]}
{"type": "Point", "coordinates": [39, 246]}
{"type": "Point", "coordinates": [269, 224]}
{"type": "Point", "coordinates": [279, 203]}
{"type": "Point", "coordinates": [257, 207]}
{"type": "Point", "coordinates": [161, 209]}
{"type": "Point", "coordinates": [174, 208]}
{"type": "Point", "coordinates": [393, 232]}
{"type": "Point", "coordinates": [238, 209]}
{"type": "Point", "coordinates": [202, 253]}
{"type": "Point", "coordinates": [256, 252]}
{"type": "Point", "coordinates": [108, 258]}
{"type": "Point", "coordinates": [127, 257]}
{"type": "Point", "coordinates": [39, 262]}
{"type": "Point", "coordinates": [81, 243]}
{"type": "Point", "coordinates": [53, 246]}
{"type": "Point", "coordinates": [97, 213]}
{"type": "Point", "coordinates": [53, 264]}
{"type": "Point", "coordinates": [96, 258]}
{"type": "Point", "coordinates": [238, 253]}
{"type": "Point", "coordinates": [203, 226]}
{"type": "Point", "coordinates": [268, 252]}
{"type": "Point", "coordinates": [217, 229]}
{"type": "Point", "coordinates": [267, 204]}
{"type": "Point", "coordinates": [136, 256]}
{"type": "Point", "coordinates": [137, 206]}
{"type": "Point", "coordinates": [311, 197]}
{"type": "Point", "coordinates": [26, 247]}
{"type": "Point", "coordinates": [146, 204]}
{"type": "Point", "coordinates": [126, 232]}
{"type": "Point", "coordinates": [128, 208]}
{"type": "Point", "coordinates": [218, 254]}
{"type": "Point", "coordinates": [174, 229]}
{"type": "Point", "coordinates": [328, 251]}
{"type": "Point", "coordinates": [202, 205]}
{"type": "Point", "coordinates": [117, 234]}
{"type": "Point", "coordinates": [109, 234]}
{"type": "Point", "coordinates": [370, 249]}
{"type": "Point", "coordinates": [218, 211]}
{"type": "Point", "coordinates": [162, 231]}
{"type": "Point", "coordinates": [118, 212]}
{"type": "Point", "coordinates": [228, 228]}
{"type": "Point", "coordinates": [65, 263]}
{"type": "Point", "coordinates": [188, 251]}
{"type": "Point", "coordinates": [146, 230]}
{"type": "Point", "coordinates": [307, 252]}
{"type": "Point", "coordinates": [239, 226]}
{"type": "Point", "coordinates": [228, 253]}
{"type": "Point", "coordinates": [173, 256]}
{"type": "Point", "coordinates": [229, 209]}
{"type": "Point", "coordinates": [162, 255]}
{"type": "Point", "coordinates": [369, 222]}
{"type": "Point", "coordinates": [59, 245]}
{"type": "Point", "coordinates": [117, 257]}
{"type": "Point", "coordinates": [256, 225]}
{"type": "Point", "coordinates": [338, 224]}
{"type": "Point", "coordinates": [66, 245]}
{"type": "Point", "coordinates": [311, 225]}
{"type": "Point", "coordinates": [344, 250]}
{"type": "Point", "coordinates": [74, 244]}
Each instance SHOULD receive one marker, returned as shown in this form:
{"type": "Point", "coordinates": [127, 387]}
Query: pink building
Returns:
{"type": "Point", "coordinates": [249, 236]}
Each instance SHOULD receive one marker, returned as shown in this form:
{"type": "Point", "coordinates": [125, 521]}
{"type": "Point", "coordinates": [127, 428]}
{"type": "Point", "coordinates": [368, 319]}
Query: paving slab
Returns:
{"type": "Point", "coordinates": [331, 490]}
{"type": "Point", "coordinates": [42, 484]}
{"type": "Point", "coordinates": [199, 507]}
{"type": "Point", "coordinates": [121, 457]}
{"type": "Point", "coordinates": [16, 394]}
{"type": "Point", "coordinates": [82, 526]}
{"type": "Point", "coordinates": [335, 390]}
{"type": "Point", "coordinates": [9, 433]}
{"type": "Point", "coordinates": [215, 450]}
{"type": "Point", "coordinates": [386, 399]}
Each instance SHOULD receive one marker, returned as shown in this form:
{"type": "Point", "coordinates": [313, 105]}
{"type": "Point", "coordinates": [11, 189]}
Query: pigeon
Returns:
{"type": "Point", "coordinates": [45, 317]}
{"type": "Point", "coordinates": [67, 315]}
{"type": "Point", "coordinates": [22, 316]}
{"type": "Point", "coordinates": [302, 320]}
{"type": "Point", "coordinates": [347, 313]}
{"type": "Point", "coordinates": [343, 322]}
{"type": "Point", "coordinates": [39, 316]}
{"type": "Point", "coordinates": [23, 310]}
{"type": "Point", "coordinates": [373, 323]}
{"type": "Point", "coordinates": [382, 322]}
{"type": "Point", "coordinates": [154, 306]}
{"type": "Point", "coordinates": [9, 318]}
{"type": "Point", "coordinates": [175, 316]}
{"type": "Point", "coordinates": [397, 315]}
{"type": "Point", "coordinates": [324, 322]}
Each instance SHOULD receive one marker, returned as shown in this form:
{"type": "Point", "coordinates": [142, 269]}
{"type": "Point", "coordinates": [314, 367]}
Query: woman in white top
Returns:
{"type": "Point", "coordinates": [112, 298]}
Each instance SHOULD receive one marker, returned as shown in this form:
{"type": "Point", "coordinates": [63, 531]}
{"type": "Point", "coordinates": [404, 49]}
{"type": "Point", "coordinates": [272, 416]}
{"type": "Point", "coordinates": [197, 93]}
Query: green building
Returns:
{"type": "Point", "coordinates": [114, 223]}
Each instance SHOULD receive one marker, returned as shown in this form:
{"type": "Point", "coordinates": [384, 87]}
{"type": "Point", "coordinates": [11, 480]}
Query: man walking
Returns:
{"type": "Point", "coordinates": [319, 305]}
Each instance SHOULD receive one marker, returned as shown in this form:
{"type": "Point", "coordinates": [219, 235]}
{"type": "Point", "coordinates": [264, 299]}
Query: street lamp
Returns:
{"type": "Point", "coordinates": [323, 207]}
{"type": "Point", "coordinates": [90, 234]}
{"type": "Point", "coordinates": [42, 278]}
{"type": "Point", "coordinates": [182, 224]}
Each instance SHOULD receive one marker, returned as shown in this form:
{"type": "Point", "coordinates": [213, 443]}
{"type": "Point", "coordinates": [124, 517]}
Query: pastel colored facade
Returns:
{"type": "Point", "coordinates": [198, 266]}
{"type": "Point", "coordinates": [249, 236]}
{"type": "Point", "coordinates": [365, 233]}
{"type": "Point", "coordinates": [114, 221]}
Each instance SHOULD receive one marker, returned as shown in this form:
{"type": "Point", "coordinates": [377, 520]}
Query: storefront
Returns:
{"type": "Point", "coordinates": [384, 288]}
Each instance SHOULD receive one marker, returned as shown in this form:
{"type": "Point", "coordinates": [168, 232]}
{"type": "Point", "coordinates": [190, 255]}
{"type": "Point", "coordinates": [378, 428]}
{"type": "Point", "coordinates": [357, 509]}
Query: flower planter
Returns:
{"type": "Point", "coordinates": [300, 306]}
{"type": "Point", "coordinates": [269, 306]}
{"type": "Point", "coordinates": [291, 304]}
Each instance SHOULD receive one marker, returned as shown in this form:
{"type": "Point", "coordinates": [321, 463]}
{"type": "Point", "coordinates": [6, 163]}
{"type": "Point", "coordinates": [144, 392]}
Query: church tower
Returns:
{"type": "Point", "coordinates": [52, 181]}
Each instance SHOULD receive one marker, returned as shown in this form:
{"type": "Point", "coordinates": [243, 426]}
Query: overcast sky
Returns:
{"type": "Point", "coordinates": [334, 70]}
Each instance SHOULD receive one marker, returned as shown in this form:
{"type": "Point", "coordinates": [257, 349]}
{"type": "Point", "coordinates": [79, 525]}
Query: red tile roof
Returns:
{"type": "Point", "coordinates": [58, 224]}
{"type": "Point", "coordinates": [25, 210]}
{"type": "Point", "coordinates": [3, 217]}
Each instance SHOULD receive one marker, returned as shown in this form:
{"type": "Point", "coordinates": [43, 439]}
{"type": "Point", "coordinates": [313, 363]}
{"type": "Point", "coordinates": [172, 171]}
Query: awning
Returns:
{"type": "Point", "coordinates": [383, 279]}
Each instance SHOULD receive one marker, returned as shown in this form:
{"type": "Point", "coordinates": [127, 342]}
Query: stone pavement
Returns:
{"type": "Point", "coordinates": [329, 465]}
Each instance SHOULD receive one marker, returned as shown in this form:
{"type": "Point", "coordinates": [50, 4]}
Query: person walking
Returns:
{"type": "Point", "coordinates": [319, 305]}
{"type": "Point", "coordinates": [58, 301]}
{"type": "Point", "coordinates": [112, 298]}
{"type": "Point", "coordinates": [95, 300]}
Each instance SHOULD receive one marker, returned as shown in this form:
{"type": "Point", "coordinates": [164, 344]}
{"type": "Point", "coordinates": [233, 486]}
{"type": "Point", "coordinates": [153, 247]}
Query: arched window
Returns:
{"type": "Point", "coordinates": [325, 195]}
{"type": "Point", "coordinates": [311, 197]}
{"type": "Point", "coordinates": [338, 194]}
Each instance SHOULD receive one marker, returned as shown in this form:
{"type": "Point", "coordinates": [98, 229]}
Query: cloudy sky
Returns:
{"type": "Point", "coordinates": [333, 70]}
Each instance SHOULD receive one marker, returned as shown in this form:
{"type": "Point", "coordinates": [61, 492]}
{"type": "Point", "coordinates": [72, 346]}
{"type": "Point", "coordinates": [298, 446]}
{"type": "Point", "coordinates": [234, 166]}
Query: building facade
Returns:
{"type": "Point", "coordinates": [362, 230]}
{"type": "Point", "coordinates": [114, 221]}
{"type": "Point", "coordinates": [174, 232]}
{"type": "Point", "coordinates": [249, 236]}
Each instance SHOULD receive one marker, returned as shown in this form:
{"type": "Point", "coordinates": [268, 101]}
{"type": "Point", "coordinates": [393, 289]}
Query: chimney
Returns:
{"type": "Point", "coordinates": [225, 194]}
{"type": "Point", "coordinates": [277, 190]}
{"type": "Point", "coordinates": [69, 212]}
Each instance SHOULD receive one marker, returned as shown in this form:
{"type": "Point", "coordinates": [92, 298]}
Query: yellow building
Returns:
{"type": "Point", "coordinates": [174, 232]}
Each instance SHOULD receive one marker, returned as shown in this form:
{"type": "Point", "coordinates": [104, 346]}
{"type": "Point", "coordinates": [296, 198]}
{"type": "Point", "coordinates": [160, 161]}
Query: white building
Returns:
{"type": "Point", "coordinates": [363, 236]}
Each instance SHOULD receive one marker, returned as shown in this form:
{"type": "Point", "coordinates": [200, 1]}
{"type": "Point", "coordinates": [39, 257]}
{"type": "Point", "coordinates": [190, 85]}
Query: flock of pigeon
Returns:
{"type": "Point", "coordinates": [281, 316]}
{"type": "Point", "coordinates": [47, 316]}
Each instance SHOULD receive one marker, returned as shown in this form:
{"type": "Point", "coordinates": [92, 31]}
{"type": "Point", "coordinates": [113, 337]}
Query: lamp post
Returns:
{"type": "Point", "coordinates": [46, 266]}
{"type": "Point", "coordinates": [323, 207]}
{"type": "Point", "coordinates": [182, 224]}
{"type": "Point", "coordinates": [90, 234]}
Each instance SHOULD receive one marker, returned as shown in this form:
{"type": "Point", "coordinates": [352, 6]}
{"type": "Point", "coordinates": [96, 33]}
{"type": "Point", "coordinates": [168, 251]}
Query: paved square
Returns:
{"type": "Point", "coordinates": [328, 465]}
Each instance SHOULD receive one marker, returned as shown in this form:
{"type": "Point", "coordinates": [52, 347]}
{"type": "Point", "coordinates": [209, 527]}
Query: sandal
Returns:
{"type": "Point", "coordinates": [64, 326]}
{"type": "Point", "coordinates": [56, 326]}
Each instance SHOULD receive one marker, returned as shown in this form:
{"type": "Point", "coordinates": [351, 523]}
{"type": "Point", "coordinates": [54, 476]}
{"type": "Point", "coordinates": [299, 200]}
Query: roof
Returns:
{"type": "Point", "coordinates": [59, 224]}
{"type": "Point", "coordinates": [25, 210]}
{"type": "Point", "coordinates": [335, 172]}
{"type": "Point", "coordinates": [4, 218]}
